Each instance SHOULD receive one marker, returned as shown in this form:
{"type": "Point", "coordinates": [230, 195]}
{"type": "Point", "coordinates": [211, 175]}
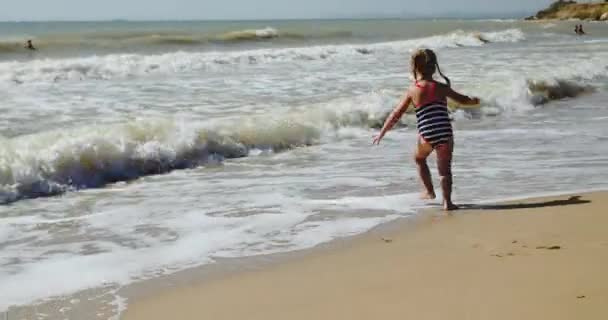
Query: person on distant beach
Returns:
{"type": "Point", "coordinates": [434, 127]}
{"type": "Point", "coordinates": [577, 30]}
{"type": "Point", "coordinates": [29, 45]}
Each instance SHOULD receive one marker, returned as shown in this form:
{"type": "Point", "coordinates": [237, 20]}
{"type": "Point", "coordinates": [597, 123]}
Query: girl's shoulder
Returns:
{"type": "Point", "coordinates": [426, 83]}
{"type": "Point", "coordinates": [419, 86]}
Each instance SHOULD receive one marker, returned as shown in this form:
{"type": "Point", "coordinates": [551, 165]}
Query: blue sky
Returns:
{"type": "Point", "coordinates": [255, 9]}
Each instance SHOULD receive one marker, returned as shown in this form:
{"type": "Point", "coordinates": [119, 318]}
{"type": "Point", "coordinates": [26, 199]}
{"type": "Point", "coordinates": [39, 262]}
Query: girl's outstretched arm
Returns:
{"type": "Point", "coordinates": [460, 98]}
{"type": "Point", "coordinates": [394, 117]}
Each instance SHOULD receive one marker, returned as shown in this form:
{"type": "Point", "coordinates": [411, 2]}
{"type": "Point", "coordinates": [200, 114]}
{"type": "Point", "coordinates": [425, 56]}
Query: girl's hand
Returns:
{"type": "Point", "coordinates": [397, 113]}
{"type": "Point", "coordinates": [377, 139]}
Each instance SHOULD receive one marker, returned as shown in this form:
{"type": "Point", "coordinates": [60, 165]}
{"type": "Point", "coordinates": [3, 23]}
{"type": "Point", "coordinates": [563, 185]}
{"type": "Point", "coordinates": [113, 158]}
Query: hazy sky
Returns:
{"type": "Point", "coordinates": [253, 9]}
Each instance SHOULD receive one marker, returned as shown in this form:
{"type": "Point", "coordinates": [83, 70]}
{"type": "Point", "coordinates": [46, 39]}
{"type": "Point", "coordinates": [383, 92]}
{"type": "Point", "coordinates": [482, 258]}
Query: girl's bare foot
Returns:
{"type": "Point", "coordinates": [450, 206]}
{"type": "Point", "coordinates": [427, 196]}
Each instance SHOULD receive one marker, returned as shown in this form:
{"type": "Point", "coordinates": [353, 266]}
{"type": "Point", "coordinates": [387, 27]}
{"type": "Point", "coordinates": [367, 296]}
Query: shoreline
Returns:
{"type": "Point", "coordinates": [227, 268]}
{"type": "Point", "coordinates": [184, 300]}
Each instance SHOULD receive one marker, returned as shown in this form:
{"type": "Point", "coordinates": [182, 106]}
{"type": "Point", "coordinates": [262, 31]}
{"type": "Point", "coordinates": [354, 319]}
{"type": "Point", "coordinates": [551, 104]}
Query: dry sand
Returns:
{"type": "Point", "coordinates": [534, 259]}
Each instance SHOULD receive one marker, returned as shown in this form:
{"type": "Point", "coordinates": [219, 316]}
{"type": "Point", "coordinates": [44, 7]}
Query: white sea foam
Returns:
{"type": "Point", "coordinates": [251, 34]}
{"type": "Point", "coordinates": [50, 163]}
{"type": "Point", "coordinates": [511, 35]}
{"type": "Point", "coordinates": [136, 65]}
{"type": "Point", "coordinates": [214, 236]}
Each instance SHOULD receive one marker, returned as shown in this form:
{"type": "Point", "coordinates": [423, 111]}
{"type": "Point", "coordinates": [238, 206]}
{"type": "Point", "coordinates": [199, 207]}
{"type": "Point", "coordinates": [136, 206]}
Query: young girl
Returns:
{"type": "Point", "coordinates": [434, 126]}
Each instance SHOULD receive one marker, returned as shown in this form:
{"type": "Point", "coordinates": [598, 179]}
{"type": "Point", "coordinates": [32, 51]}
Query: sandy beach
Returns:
{"type": "Point", "coordinates": [534, 259]}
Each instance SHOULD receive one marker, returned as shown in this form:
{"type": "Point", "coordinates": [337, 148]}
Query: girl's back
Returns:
{"type": "Point", "coordinates": [426, 92]}
{"type": "Point", "coordinates": [432, 115]}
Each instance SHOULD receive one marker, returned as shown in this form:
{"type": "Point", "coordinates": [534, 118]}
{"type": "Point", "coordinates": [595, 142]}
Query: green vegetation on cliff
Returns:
{"type": "Point", "coordinates": [565, 9]}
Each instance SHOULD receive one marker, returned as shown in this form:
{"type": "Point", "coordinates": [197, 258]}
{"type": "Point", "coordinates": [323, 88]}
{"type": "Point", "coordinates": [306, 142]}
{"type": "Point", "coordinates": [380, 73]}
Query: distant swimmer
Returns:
{"type": "Point", "coordinates": [579, 30]}
{"type": "Point", "coordinates": [29, 45]}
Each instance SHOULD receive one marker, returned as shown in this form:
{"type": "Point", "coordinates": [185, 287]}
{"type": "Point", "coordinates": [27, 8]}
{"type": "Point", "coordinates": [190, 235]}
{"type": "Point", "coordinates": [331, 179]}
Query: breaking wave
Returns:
{"type": "Point", "coordinates": [50, 163]}
{"type": "Point", "coordinates": [543, 92]}
{"type": "Point", "coordinates": [136, 41]}
{"type": "Point", "coordinates": [133, 65]}
{"type": "Point", "coordinates": [266, 33]}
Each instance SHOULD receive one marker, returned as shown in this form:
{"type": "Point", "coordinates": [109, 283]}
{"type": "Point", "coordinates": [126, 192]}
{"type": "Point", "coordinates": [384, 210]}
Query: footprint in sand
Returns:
{"type": "Point", "coordinates": [510, 254]}
{"type": "Point", "coordinates": [549, 248]}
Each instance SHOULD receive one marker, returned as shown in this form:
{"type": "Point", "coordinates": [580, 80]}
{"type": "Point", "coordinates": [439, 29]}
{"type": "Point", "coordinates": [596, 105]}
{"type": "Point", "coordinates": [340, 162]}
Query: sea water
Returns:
{"type": "Point", "coordinates": [132, 150]}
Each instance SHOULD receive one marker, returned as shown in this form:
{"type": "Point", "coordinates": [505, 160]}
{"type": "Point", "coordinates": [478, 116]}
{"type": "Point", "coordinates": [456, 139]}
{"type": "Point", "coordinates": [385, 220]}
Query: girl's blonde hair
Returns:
{"type": "Point", "coordinates": [424, 62]}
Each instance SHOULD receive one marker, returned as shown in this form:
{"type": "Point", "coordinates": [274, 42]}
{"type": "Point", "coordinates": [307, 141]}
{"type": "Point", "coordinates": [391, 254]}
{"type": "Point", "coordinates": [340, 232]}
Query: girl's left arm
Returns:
{"type": "Point", "coordinates": [397, 113]}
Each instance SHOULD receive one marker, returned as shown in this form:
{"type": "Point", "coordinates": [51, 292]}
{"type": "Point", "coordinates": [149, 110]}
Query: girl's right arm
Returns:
{"type": "Point", "coordinates": [460, 98]}
{"type": "Point", "coordinates": [394, 117]}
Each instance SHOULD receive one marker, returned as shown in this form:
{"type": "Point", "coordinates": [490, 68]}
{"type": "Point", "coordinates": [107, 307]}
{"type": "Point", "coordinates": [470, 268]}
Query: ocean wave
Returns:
{"type": "Point", "coordinates": [524, 94]}
{"type": "Point", "coordinates": [510, 35]}
{"type": "Point", "coordinates": [51, 163]}
{"type": "Point", "coordinates": [498, 20]}
{"type": "Point", "coordinates": [519, 96]}
{"type": "Point", "coordinates": [252, 34]}
{"type": "Point", "coordinates": [11, 47]}
{"type": "Point", "coordinates": [133, 65]}
{"type": "Point", "coordinates": [143, 41]}
{"type": "Point", "coordinates": [543, 91]}
{"type": "Point", "coordinates": [150, 39]}
{"type": "Point", "coordinates": [458, 38]}
{"type": "Point", "coordinates": [269, 33]}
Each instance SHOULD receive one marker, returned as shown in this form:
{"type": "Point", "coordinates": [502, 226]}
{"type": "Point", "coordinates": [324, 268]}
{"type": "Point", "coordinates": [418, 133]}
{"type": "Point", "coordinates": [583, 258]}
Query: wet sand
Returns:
{"type": "Point", "coordinates": [533, 259]}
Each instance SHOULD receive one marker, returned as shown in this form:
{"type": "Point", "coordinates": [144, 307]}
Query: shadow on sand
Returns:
{"type": "Point", "coordinates": [533, 205]}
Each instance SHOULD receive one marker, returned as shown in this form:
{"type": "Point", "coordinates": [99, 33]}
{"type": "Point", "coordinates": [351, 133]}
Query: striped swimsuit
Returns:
{"type": "Point", "coordinates": [433, 118]}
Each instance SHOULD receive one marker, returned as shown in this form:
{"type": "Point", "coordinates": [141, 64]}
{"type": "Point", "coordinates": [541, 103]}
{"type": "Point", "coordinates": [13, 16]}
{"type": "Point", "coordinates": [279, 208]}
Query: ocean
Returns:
{"type": "Point", "coordinates": [131, 151]}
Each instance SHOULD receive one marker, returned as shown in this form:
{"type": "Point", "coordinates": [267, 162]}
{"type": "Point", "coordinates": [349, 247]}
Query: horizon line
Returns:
{"type": "Point", "coordinates": [513, 15]}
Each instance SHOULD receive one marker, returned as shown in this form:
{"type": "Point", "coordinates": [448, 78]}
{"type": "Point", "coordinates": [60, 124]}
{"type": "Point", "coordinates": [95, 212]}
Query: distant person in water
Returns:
{"type": "Point", "coordinates": [29, 45]}
{"type": "Point", "coordinates": [579, 30]}
{"type": "Point", "coordinates": [434, 127]}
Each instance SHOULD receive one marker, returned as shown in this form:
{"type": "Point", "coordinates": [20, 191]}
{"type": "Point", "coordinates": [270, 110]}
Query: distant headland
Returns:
{"type": "Point", "coordinates": [566, 10]}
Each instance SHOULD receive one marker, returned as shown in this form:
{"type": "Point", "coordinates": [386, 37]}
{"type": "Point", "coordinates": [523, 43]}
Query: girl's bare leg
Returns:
{"type": "Point", "coordinates": [423, 150]}
{"type": "Point", "coordinates": [444, 166]}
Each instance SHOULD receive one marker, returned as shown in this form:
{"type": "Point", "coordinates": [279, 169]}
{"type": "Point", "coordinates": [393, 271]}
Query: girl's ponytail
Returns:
{"type": "Point", "coordinates": [447, 80]}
